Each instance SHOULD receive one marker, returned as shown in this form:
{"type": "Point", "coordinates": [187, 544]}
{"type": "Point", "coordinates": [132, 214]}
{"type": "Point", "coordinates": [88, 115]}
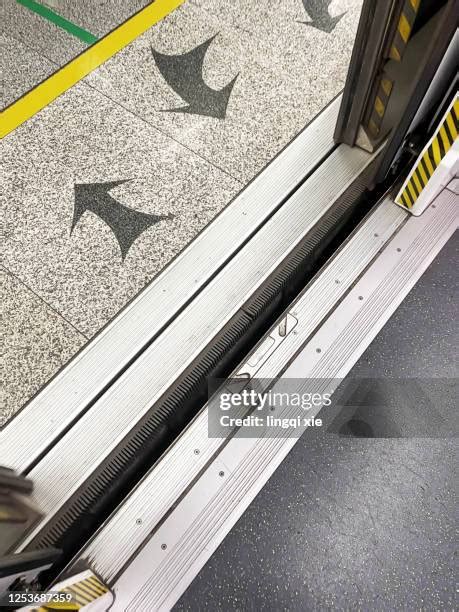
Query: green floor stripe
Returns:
{"type": "Point", "coordinates": [66, 25]}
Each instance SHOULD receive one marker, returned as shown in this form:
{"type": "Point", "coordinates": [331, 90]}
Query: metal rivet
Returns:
{"type": "Point", "coordinates": [318, 350]}
{"type": "Point", "coordinates": [360, 297]}
{"type": "Point", "coordinates": [196, 451]}
{"type": "Point", "coordinates": [139, 521]}
{"type": "Point", "coordinates": [337, 281]}
{"type": "Point", "coordinates": [164, 546]}
{"type": "Point", "coordinates": [399, 250]}
{"type": "Point", "coordinates": [433, 206]}
{"type": "Point", "coordinates": [376, 235]}
{"type": "Point", "coordinates": [221, 473]}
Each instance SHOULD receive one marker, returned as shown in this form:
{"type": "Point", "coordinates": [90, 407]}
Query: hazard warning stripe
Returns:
{"type": "Point", "coordinates": [53, 607]}
{"type": "Point", "coordinates": [384, 84]}
{"type": "Point", "coordinates": [87, 590]}
{"type": "Point", "coordinates": [431, 157]}
{"type": "Point", "coordinates": [379, 105]}
{"type": "Point", "coordinates": [97, 585]}
{"type": "Point", "coordinates": [404, 29]}
{"type": "Point", "coordinates": [83, 593]}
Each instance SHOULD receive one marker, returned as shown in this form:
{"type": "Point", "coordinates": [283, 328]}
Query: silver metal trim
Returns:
{"type": "Point", "coordinates": [123, 534]}
{"type": "Point", "coordinates": [26, 437]}
{"type": "Point", "coordinates": [178, 549]}
{"type": "Point", "coordinates": [78, 453]}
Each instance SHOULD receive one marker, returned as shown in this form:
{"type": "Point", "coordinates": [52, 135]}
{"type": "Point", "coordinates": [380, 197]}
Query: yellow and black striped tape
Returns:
{"type": "Point", "coordinates": [430, 159]}
{"type": "Point", "coordinates": [381, 98]}
{"type": "Point", "coordinates": [384, 84]}
{"type": "Point", "coordinates": [404, 29]}
{"type": "Point", "coordinates": [83, 593]}
{"type": "Point", "coordinates": [86, 590]}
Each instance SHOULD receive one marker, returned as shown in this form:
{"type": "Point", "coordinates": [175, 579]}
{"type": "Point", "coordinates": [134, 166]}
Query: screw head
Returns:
{"type": "Point", "coordinates": [164, 546]}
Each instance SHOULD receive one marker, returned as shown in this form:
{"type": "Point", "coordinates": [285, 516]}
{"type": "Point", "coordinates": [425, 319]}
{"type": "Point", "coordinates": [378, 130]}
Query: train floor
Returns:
{"type": "Point", "coordinates": [361, 513]}
{"type": "Point", "coordinates": [166, 132]}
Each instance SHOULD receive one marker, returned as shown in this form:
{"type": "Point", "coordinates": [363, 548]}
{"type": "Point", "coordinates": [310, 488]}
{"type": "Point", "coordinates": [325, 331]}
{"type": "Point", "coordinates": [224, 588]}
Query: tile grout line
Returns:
{"type": "Point", "coordinates": [8, 271]}
{"type": "Point", "coordinates": [151, 125]}
{"type": "Point", "coordinates": [28, 46]}
{"type": "Point", "coordinates": [131, 112]}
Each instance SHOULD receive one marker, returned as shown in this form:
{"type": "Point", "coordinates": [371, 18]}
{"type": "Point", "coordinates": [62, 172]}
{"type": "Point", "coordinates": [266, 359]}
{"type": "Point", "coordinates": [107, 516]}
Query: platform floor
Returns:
{"type": "Point", "coordinates": [361, 519]}
{"type": "Point", "coordinates": [65, 271]}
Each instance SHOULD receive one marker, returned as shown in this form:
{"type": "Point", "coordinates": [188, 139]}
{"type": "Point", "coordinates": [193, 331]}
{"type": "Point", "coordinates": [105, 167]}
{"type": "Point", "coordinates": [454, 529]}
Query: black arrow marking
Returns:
{"type": "Point", "coordinates": [127, 224]}
{"type": "Point", "coordinates": [320, 17]}
{"type": "Point", "coordinates": [183, 73]}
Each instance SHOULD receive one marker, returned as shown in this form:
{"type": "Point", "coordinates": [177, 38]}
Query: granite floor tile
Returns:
{"type": "Point", "coordinates": [81, 127]}
{"type": "Point", "coordinates": [38, 33]}
{"type": "Point", "coordinates": [107, 184]}
{"type": "Point", "coordinates": [36, 343]}
{"type": "Point", "coordinates": [259, 17]}
{"type": "Point", "coordinates": [95, 211]}
{"type": "Point", "coordinates": [21, 69]}
{"type": "Point", "coordinates": [98, 16]}
{"type": "Point", "coordinates": [287, 43]}
{"type": "Point", "coordinates": [265, 108]}
{"type": "Point", "coordinates": [253, 15]}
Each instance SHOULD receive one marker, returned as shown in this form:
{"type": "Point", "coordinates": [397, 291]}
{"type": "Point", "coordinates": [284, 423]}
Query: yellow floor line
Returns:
{"type": "Point", "coordinates": [59, 82]}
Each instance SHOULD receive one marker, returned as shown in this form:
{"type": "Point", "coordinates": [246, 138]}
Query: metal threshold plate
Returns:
{"type": "Point", "coordinates": [39, 424]}
{"type": "Point", "coordinates": [122, 535]}
{"type": "Point", "coordinates": [168, 561]}
{"type": "Point", "coordinates": [78, 453]}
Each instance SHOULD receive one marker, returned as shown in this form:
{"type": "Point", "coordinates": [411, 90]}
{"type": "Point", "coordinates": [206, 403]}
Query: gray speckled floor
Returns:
{"type": "Point", "coordinates": [39, 34]}
{"type": "Point", "coordinates": [33, 47]}
{"type": "Point", "coordinates": [82, 274]}
{"type": "Point", "coordinates": [287, 72]}
{"type": "Point", "coordinates": [112, 127]}
{"type": "Point", "coordinates": [35, 342]}
{"type": "Point", "coordinates": [351, 523]}
{"type": "Point", "coordinates": [21, 69]}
